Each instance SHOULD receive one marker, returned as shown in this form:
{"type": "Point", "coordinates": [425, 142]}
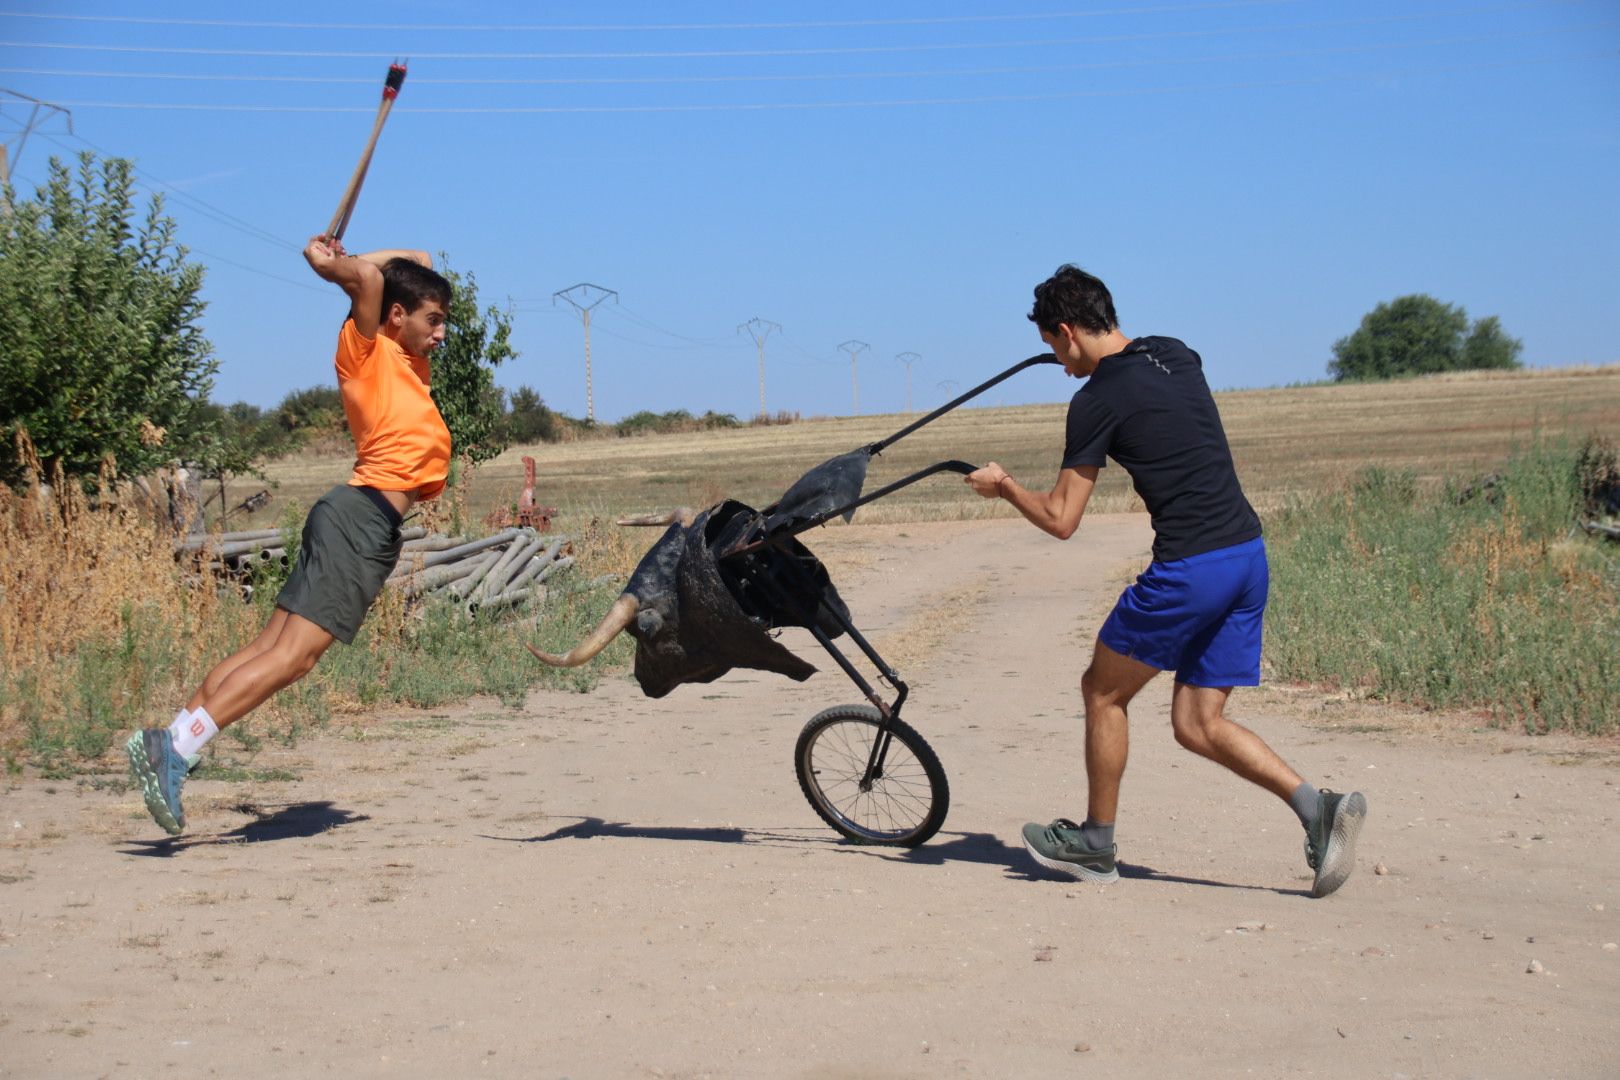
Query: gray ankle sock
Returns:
{"type": "Point", "coordinates": [1304, 802]}
{"type": "Point", "coordinates": [1097, 837]}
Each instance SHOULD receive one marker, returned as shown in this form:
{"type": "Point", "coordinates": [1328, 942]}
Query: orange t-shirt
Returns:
{"type": "Point", "coordinates": [399, 436]}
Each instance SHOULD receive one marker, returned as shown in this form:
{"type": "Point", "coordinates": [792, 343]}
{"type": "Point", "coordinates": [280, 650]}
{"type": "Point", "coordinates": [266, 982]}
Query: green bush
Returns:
{"type": "Point", "coordinates": [1470, 597]}
{"type": "Point", "coordinates": [673, 421]}
{"type": "Point", "coordinates": [104, 351]}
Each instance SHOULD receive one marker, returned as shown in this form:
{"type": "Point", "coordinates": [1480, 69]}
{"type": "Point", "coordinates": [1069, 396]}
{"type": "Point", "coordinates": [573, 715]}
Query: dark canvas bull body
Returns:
{"type": "Point", "coordinates": [695, 616]}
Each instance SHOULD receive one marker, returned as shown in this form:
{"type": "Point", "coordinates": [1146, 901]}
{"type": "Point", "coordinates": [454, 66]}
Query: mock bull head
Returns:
{"type": "Point", "coordinates": [695, 616]}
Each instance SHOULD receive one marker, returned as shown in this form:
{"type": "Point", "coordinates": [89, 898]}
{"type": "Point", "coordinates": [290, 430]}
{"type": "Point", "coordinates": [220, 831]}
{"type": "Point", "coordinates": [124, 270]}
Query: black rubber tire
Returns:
{"type": "Point", "coordinates": [905, 806]}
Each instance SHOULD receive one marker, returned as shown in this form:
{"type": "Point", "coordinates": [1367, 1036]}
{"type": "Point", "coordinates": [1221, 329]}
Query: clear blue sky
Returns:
{"type": "Point", "coordinates": [1249, 176]}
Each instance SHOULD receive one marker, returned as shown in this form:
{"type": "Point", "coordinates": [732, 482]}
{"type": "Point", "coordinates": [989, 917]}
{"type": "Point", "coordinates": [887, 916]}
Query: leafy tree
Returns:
{"type": "Point", "coordinates": [239, 437]}
{"type": "Point", "coordinates": [529, 420]}
{"type": "Point", "coordinates": [1488, 347]}
{"type": "Point", "coordinates": [102, 355]}
{"type": "Point", "coordinates": [314, 409]}
{"type": "Point", "coordinates": [463, 370]}
{"type": "Point", "coordinates": [1417, 335]}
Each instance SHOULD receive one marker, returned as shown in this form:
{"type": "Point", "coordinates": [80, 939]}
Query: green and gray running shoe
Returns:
{"type": "Point", "coordinates": [1060, 847]}
{"type": "Point", "coordinates": [160, 771]}
{"type": "Point", "coordinates": [1330, 844]}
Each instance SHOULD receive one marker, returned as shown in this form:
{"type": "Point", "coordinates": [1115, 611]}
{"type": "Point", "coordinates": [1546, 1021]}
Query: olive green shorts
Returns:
{"type": "Point", "coordinates": [350, 545]}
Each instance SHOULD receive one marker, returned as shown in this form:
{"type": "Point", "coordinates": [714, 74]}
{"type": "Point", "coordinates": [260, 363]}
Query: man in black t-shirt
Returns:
{"type": "Point", "coordinates": [1197, 609]}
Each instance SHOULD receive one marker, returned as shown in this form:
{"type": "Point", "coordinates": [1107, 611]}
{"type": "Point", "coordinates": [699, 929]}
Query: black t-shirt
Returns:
{"type": "Point", "coordinates": [1150, 409]}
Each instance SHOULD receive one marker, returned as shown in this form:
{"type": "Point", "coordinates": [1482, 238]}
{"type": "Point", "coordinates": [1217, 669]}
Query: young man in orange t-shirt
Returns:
{"type": "Point", "coordinates": [351, 542]}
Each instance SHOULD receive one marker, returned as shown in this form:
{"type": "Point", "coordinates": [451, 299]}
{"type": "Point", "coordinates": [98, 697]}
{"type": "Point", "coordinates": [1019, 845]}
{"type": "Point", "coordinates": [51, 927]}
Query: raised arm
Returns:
{"type": "Point", "coordinates": [379, 259]}
{"type": "Point", "coordinates": [359, 276]}
{"type": "Point", "coordinates": [1057, 512]}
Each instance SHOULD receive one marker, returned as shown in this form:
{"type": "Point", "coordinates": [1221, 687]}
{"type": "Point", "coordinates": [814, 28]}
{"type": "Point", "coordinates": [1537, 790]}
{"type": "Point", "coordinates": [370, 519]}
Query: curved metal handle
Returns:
{"type": "Point", "coordinates": [1043, 358]}
{"type": "Point", "coordinates": [953, 465]}
{"type": "Point", "coordinates": [889, 489]}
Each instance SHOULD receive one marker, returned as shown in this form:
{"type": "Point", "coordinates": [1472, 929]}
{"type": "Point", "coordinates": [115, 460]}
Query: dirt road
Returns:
{"type": "Point", "coordinates": [606, 886]}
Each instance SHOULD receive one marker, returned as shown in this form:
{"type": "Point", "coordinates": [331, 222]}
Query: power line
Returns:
{"type": "Point", "coordinates": [835, 76]}
{"type": "Point", "coordinates": [841, 50]}
{"type": "Point", "coordinates": [256, 270]}
{"type": "Point", "coordinates": [940, 20]}
{"type": "Point", "coordinates": [194, 250]}
{"type": "Point", "coordinates": [808, 355]}
{"type": "Point", "coordinates": [646, 323]}
{"type": "Point", "coordinates": [192, 202]}
{"type": "Point", "coordinates": [882, 103]}
{"type": "Point", "coordinates": [651, 344]}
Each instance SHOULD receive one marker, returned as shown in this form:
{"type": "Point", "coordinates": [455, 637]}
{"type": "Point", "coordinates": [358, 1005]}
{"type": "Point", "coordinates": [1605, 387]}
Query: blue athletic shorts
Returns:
{"type": "Point", "coordinates": [1199, 617]}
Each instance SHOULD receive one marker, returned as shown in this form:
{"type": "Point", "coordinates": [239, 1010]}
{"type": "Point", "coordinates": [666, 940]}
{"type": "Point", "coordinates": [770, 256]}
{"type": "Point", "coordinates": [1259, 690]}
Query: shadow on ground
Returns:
{"type": "Point", "coordinates": [984, 848]}
{"type": "Point", "coordinates": [290, 822]}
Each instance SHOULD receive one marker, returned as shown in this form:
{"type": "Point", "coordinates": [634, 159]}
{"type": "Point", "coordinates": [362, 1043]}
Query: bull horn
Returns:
{"type": "Point", "coordinates": [683, 514]}
{"type": "Point", "coordinates": [617, 618]}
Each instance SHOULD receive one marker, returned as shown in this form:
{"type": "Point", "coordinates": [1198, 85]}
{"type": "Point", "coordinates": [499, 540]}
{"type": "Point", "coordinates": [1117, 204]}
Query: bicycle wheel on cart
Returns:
{"type": "Point", "coordinates": [906, 801]}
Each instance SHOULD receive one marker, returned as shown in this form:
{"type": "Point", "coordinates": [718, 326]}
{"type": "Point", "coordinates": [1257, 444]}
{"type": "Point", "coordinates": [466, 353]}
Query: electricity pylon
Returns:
{"type": "Point", "coordinates": [908, 358]}
{"type": "Point", "coordinates": [35, 107]}
{"type": "Point", "coordinates": [586, 291]}
{"type": "Point", "coordinates": [759, 329]}
{"type": "Point", "coordinates": [854, 348]}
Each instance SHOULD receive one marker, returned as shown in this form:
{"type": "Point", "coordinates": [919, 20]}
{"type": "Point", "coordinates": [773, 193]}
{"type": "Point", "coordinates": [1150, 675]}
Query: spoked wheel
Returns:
{"type": "Point", "coordinates": [906, 801]}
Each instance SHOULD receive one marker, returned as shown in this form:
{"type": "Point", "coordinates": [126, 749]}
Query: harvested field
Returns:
{"type": "Point", "coordinates": [1287, 442]}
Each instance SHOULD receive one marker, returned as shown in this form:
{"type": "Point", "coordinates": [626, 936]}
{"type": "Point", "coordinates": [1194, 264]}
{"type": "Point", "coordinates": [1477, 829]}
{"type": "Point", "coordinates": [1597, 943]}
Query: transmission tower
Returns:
{"type": "Point", "coordinates": [908, 358]}
{"type": "Point", "coordinates": [588, 296]}
{"type": "Point", "coordinates": [947, 387]}
{"type": "Point", "coordinates": [38, 111]}
{"type": "Point", "coordinates": [854, 348]}
{"type": "Point", "coordinates": [759, 329]}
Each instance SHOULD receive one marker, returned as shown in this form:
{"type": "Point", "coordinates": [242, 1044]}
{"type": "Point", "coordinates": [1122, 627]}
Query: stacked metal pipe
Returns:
{"type": "Point", "coordinates": [486, 575]}
{"type": "Point", "coordinates": [236, 552]}
{"type": "Point", "coordinates": [489, 574]}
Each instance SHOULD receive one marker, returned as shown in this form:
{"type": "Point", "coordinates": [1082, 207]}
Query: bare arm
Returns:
{"type": "Point", "coordinates": [359, 276]}
{"type": "Point", "coordinates": [1057, 511]}
{"type": "Point", "coordinates": [379, 259]}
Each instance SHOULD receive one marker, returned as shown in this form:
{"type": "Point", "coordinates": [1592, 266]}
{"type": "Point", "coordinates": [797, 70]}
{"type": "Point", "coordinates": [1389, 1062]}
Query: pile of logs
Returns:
{"type": "Point", "coordinates": [489, 574]}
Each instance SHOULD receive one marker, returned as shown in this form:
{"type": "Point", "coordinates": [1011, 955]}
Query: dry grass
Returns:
{"type": "Point", "coordinates": [1486, 602]}
{"type": "Point", "coordinates": [81, 583]}
{"type": "Point", "coordinates": [69, 566]}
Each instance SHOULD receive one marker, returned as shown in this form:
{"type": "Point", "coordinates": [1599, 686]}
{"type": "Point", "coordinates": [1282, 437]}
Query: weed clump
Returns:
{"type": "Point", "coordinates": [1475, 596]}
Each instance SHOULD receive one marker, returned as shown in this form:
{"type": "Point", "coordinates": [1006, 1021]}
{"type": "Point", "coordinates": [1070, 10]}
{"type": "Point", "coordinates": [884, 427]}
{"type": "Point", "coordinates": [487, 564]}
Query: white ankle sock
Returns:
{"type": "Point", "coordinates": [192, 730]}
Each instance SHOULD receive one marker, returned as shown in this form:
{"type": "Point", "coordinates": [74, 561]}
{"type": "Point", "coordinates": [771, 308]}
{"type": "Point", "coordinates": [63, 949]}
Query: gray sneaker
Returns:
{"type": "Point", "coordinates": [1060, 847]}
{"type": "Point", "coordinates": [1330, 844]}
{"type": "Point", "coordinates": [160, 771]}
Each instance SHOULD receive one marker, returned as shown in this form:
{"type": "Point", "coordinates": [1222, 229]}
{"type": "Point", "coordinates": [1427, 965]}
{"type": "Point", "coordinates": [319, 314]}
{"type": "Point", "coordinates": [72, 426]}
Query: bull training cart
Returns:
{"type": "Point", "coordinates": [865, 771]}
